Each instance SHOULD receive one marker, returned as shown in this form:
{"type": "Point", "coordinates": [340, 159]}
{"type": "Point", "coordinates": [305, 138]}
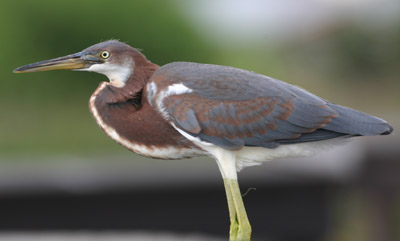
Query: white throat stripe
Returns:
{"type": "Point", "coordinates": [117, 74]}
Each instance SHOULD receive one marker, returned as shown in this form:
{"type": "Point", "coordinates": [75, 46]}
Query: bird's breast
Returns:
{"type": "Point", "coordinates": [142, 130]}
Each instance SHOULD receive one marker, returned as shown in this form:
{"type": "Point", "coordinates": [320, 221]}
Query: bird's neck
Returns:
{"type": "Point", "coordinates": [141, 76]}
{"type": "Point", "coordinates": [134, 85]}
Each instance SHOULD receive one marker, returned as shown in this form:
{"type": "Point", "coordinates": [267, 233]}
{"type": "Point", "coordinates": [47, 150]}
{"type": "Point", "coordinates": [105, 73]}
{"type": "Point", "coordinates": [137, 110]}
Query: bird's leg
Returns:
{"type": "Point", "coordinates": [240, 229]}
{"type": "Point", "coordinates": [240, 226]}
{"type": "Point", "coordinates": [233, 231]}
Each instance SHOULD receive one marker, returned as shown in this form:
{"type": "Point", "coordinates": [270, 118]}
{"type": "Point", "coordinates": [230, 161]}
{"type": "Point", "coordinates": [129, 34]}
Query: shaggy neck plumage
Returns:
{"type": "Point", "coordinates": [133, 87]}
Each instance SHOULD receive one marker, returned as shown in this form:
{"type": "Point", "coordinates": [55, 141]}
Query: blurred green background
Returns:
{"type": "Point", "coordinates": [48, 113]}
{"type": "Point", "coordinates": [345, 51]}
{"type": "Point", "coordinates": [354, 63]}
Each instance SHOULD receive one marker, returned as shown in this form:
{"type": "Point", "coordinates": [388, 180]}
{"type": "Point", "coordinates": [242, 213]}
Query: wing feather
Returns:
{"type": "Point", "coordinates": [232, 108]}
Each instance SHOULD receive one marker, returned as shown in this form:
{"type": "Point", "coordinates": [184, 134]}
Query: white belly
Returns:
{"type": "Point", "coordinates": [249, 156]}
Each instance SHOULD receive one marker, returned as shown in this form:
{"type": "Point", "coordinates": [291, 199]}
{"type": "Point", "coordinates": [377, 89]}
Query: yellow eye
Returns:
{"type": "Point", "coordinates": [105, 54]}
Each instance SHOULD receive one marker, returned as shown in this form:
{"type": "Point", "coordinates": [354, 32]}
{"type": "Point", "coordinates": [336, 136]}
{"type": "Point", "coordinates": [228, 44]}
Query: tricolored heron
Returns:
{"type": "Point", "coordinates": [183, 109]}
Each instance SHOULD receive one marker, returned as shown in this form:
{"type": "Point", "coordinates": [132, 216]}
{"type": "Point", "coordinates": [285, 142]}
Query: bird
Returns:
{"type": "Point", "coordinates": [183, 109]}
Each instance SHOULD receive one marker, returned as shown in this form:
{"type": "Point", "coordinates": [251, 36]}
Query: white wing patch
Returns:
{"type": "Point", "coordinates": [151, 91]}
{"type": "Point", "coordinates": [175, 89]}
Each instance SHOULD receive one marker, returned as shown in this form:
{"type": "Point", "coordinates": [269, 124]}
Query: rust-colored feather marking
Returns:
{"type": "Point", "coordinates": [228, 118]}
{"type": "Point", "coordinates": [288, 106]}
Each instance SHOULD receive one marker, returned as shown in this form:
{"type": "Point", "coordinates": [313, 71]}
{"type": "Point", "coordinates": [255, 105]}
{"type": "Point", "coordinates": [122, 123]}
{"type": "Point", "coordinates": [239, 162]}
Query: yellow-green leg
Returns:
{"type": "Point", "coordinates": [232, 213]}
{"type": "Point", "coordinates": [240, 229]}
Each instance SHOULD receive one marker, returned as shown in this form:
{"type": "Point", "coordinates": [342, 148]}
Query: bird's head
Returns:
{"type": "Point", "coordinates": [112, 58]}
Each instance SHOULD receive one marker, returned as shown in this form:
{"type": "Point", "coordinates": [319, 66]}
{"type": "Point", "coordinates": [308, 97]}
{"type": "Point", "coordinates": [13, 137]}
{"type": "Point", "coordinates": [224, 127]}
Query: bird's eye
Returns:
{"type": "Point", "coordinates": [105, 54]}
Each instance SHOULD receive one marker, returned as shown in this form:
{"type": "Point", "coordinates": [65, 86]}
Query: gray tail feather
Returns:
{"type": "Point", "coordinates": [354, 122]}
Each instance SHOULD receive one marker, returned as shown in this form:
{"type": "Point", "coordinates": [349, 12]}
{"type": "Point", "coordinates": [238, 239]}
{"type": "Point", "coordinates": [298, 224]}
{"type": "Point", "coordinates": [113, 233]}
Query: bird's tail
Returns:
{"type": "Point", "coordinates": [354, 122]}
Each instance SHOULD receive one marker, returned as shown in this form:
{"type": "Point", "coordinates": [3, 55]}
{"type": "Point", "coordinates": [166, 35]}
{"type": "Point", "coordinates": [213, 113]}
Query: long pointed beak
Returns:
{"type": "Point", "coordinates": [72, 62]}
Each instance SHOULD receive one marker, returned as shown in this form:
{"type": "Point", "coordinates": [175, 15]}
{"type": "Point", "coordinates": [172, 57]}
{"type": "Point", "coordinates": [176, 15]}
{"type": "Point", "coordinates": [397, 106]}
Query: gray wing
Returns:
{"type": "Point", "coordinates": [232, 108]}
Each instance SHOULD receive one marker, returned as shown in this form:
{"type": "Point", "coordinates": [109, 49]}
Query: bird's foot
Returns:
{"type": "Point", "coordinates": [244, 231]}
{"type": "Point", "coordinates": [240, 230]}
{"type": "Point", "coordinates": [233, 231]}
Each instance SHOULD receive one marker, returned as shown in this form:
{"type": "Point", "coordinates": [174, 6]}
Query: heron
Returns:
{"type": "Point", "coordinates": [182, 109]}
